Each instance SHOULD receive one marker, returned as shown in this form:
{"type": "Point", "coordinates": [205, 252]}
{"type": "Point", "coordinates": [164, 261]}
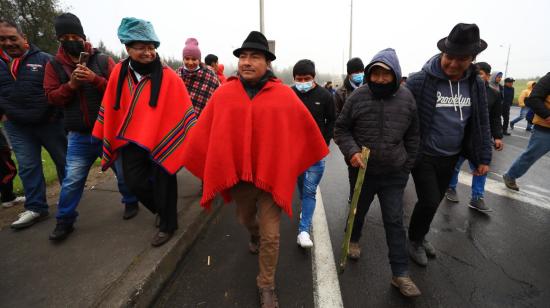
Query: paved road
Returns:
{"type": "Point", "coordinates": [495, 260]}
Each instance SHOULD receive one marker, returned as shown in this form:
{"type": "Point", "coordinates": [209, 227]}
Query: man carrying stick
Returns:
{"type": "Point", "coordinates": [381, 115]}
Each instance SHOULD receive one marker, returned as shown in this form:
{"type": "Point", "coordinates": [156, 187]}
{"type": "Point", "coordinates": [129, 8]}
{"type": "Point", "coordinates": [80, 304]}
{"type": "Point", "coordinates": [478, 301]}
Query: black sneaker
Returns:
{"type": "Point", "coordinates": [479, 204]}
{"type": "Point", "coordinates": [506, 133]}
{"type": "Point", "coordinates": [451, 195]}
{"type": "Point", "coordinates": [130, 210]}
{"type": "Point", "coordinates": [61, 232]}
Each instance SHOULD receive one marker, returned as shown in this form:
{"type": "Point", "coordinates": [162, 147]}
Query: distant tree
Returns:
{"type": "Point", "coordinates": [36, 18]}
{"type": "Point", "coordinates": [101, 47]}
{"type": "Point", "coordinates": [172, 62]}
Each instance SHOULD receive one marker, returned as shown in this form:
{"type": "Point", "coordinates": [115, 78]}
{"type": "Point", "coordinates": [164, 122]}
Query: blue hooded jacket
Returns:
{"type": "Point", "coordinates": [476, 138]}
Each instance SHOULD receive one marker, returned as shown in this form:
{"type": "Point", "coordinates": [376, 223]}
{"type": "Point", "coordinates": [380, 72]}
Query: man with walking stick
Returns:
{"type": "Point", "coordinates": [381, 116]}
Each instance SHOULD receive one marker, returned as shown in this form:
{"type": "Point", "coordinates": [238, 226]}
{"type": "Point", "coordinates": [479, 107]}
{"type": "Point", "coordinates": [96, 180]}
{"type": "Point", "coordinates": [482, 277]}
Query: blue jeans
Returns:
{"type": "Point", "coordinates": [538, 146]}
{"type": "Point", "coordinates": [389, 188]}
{"type": "Point", "coordinates": [478, 182]}
{"type": "Point", "coordinates": [522, 113]}
{"type": "Point", "coordinates": [307, 186]}
{"type": "Point", "coordinates": [27, 142]}
{"type": "Point", "coordinates": [83, 151]}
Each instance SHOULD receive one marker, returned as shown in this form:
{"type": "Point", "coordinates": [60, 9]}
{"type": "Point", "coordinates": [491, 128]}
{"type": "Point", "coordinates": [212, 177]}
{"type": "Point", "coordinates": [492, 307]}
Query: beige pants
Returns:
{"type": "Point", "coordinates": [257, 211]}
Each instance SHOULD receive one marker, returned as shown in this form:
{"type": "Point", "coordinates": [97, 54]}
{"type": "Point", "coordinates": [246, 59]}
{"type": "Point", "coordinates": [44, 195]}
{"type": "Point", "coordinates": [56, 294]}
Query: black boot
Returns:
{"type": "Point", "coordinates": [130, 210]}
{"type": "Point", "coordinates": [61, 232]}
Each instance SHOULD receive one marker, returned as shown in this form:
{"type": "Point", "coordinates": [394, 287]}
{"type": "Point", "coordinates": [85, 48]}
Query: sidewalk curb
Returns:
{"type": "Point", "coordinates": [141, 282]}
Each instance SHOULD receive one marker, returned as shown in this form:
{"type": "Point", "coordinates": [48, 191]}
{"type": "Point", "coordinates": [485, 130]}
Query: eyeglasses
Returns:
{"type": "Point", "coordinates": [143, 49]}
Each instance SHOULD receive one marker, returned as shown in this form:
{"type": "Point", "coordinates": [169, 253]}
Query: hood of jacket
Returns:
{"type": "Point", "coordinates": [388, 57]}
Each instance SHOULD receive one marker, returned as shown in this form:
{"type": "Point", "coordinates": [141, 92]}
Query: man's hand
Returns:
{"type": "Point", "coordinates": [481, 170]}
{"type": "Point", "coordinates": [74, 83]}
{"type": "Point", "coordinates": [499, 145]}
{"type": "Point", "coordinates": [82, 73]}
{"type": "Point", "coordinates": [357, 161]}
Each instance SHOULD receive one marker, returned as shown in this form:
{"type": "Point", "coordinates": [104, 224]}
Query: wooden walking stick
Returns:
{"type": "Point", "coordinates": [352, 209]}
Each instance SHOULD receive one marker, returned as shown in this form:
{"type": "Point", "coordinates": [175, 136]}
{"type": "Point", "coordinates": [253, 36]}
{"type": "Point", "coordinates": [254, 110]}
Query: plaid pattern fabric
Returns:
{"type": "Point", "coordinates": [200, 84]}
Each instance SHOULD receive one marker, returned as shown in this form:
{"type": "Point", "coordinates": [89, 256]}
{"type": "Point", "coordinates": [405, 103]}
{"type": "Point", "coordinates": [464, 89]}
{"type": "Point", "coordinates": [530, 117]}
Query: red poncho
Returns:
{"type": "Point", "coordinates": [268, 141]}
{"type": "Point", "coordinates": [160, 130]}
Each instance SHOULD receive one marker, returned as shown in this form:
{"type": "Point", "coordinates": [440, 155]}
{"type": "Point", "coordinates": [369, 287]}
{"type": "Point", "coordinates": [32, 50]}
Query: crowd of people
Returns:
{"type": "Point", "coordinates": [253, 139]}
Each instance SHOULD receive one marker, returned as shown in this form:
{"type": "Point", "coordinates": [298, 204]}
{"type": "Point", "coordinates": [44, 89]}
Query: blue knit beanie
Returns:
{"type": "Point", "coordinates": [137, 30]}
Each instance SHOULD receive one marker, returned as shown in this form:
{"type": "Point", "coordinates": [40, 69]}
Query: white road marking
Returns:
{"type": "Point", "coordinates": [326, 288]}
{"type": "Point", "coordinates": [498, 188]}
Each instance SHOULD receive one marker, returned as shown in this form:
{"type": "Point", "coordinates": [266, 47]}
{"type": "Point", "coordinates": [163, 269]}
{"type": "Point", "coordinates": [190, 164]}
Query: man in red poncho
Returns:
{"type": "Point", "coordinates": [250, 144]}
{"type": "Point", "coordinates": [145, 115]}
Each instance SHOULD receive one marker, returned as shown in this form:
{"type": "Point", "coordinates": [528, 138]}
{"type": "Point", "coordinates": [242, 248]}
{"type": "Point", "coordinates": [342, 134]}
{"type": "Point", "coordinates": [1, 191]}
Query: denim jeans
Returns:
{"type": "Point", "coordinates": [389, 188]}
{"type": "Point", "coordinates": [307, 186]}
{"type": "Point", "coordinates": [27, 142]}
{"type": "Point", "coordinates": [538, 146]}
{"type": "Point", "coordinates": [83, 151]}
{"type": "Point", "coordinates": [478, 181]}
{"type": "Point", "coordinates": [522, 113]}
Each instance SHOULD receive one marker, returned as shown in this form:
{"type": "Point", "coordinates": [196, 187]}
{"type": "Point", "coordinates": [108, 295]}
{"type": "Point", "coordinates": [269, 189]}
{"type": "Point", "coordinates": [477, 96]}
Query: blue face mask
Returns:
{"type": "Point", "coordinates": [357, 78]}
{"type": "Point", "coordinates": [304, 86]}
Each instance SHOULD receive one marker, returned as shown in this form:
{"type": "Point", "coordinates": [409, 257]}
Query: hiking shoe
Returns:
{"type": "Point", "coordinates": [511, 126]}
{"type": "Point", "coordinates": [510, 182]}
{"type": "Point", "coordinates": [429, 248]}
{"type": "Point", "coordinates": [130, 210]}
{"type": "Point", "coordinates": [451, 195]}
{"type": "Point", "coordinates": [27, 219]}
{"type": "Point", "coordinates": [61, 232]}
{"type": "Point", "coordinates": [479, 204]}
{"type": "Point", "coordinates": [417, 252]}
{"type": "Point", "coordinates": [254, 244]}
{"type": "Point", "coordinates": [268, 298]}
{"type": "Point", "coordinates": [304, 240]}
{"type": "Point", "coordinates": [17, 200]}
{"type": "Point", "coordinates": [354, 251]}
{"type": "Point", "coordinates": [161, 237]}
{"type": "Point", "coordinates": [406, 286]}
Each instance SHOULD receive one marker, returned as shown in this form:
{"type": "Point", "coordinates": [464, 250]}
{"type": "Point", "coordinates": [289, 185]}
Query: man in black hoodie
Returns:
{"type": "Point", "coordinates": [454, 121]}
{"type": "Point", "coordinates": [319, 102]}
{"type": "Point", "coordinates": [382, 116]}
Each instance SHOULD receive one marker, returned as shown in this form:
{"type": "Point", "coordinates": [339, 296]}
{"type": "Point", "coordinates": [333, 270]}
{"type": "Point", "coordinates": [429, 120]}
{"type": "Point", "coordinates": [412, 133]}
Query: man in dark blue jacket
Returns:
{"type": "Point", "coordinates": [31, 122]}
{"type": "Point", "coordinates": [454, 121]}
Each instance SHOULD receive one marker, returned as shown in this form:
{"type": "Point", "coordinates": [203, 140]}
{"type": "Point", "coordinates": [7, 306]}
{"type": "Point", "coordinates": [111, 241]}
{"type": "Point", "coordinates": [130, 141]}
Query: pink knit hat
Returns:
{"type": "Point", "coordinates": [192, 48]}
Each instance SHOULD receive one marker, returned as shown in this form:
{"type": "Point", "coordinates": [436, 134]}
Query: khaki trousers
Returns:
{"type": "Point", "coordinates": [257, 211]}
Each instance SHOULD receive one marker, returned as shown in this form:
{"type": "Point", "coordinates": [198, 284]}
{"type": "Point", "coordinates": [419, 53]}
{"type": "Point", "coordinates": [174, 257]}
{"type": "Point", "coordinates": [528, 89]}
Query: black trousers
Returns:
{"type": "Point", "coordinates": [505, 117]}
{"type": "Point", "coordinates": [155, 188]}
{"type": "Point", "coordinates": [389, 188]}
{"type": "Point", "coordinates": [431, 178]}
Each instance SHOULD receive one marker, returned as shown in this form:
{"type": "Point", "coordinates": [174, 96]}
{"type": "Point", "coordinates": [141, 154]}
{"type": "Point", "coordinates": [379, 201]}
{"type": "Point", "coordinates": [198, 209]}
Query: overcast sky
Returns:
{"type": "Point", "coordinates": [319, 29]}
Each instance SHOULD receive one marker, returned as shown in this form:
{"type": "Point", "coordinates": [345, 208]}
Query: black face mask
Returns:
{"type": "Point", "coordinates": [73, 48]}
{"type": "Point", "coordinates": [142, 68]}
{"type": "Point", "coordinates": [380, 90]}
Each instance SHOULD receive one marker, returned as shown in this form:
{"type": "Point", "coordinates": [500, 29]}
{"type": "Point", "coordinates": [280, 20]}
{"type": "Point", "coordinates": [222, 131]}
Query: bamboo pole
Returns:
{"type": "Point", "coordinates": [353, 209]}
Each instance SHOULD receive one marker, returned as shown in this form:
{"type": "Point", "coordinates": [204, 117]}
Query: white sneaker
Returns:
{"type": "Point", "coordinates": [27, 219]}
{"type": "Point", "coordinates": [304, 240]}
{"type": "Point", "coordinates": [17, 200]}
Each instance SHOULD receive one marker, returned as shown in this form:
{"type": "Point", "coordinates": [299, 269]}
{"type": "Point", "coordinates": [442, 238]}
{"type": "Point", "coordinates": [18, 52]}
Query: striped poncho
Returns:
{"type": "Point", "coordinates": [160, 130]}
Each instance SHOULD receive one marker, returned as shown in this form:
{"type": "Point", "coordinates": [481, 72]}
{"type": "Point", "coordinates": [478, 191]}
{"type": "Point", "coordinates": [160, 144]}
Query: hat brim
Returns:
{"type": "Point", "coordinates": [461, 50]}
{"type": "Point", "coordinates": [254, 46]}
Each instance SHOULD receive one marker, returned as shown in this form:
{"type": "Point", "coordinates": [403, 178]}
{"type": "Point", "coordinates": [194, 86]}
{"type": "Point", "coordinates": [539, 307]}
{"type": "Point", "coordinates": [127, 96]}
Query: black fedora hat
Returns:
{"type": "Point", "coordinates": [462, 41]}
{"type": "Point", "coordinates": [257, 41]}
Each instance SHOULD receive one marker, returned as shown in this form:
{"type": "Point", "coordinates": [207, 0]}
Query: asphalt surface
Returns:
{"type": "Point", "coordinates": [494, 260]}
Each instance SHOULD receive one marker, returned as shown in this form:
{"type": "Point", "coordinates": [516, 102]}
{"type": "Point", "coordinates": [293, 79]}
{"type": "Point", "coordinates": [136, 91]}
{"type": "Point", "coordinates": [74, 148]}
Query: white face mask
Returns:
{"type": "Point", "coordinates": [304, 86]}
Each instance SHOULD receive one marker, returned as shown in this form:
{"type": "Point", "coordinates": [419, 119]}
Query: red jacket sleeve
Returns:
{"type": "Point", "coordinates": [58, 94]}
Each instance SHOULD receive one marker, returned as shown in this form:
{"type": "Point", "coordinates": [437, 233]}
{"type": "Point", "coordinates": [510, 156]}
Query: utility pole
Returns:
{"type": "Point", "coordinates": [507, 59]}
{"type": "Point", "coordinates": [262, 16]}
{"type": "Point", "coordinates": [350, 29]}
